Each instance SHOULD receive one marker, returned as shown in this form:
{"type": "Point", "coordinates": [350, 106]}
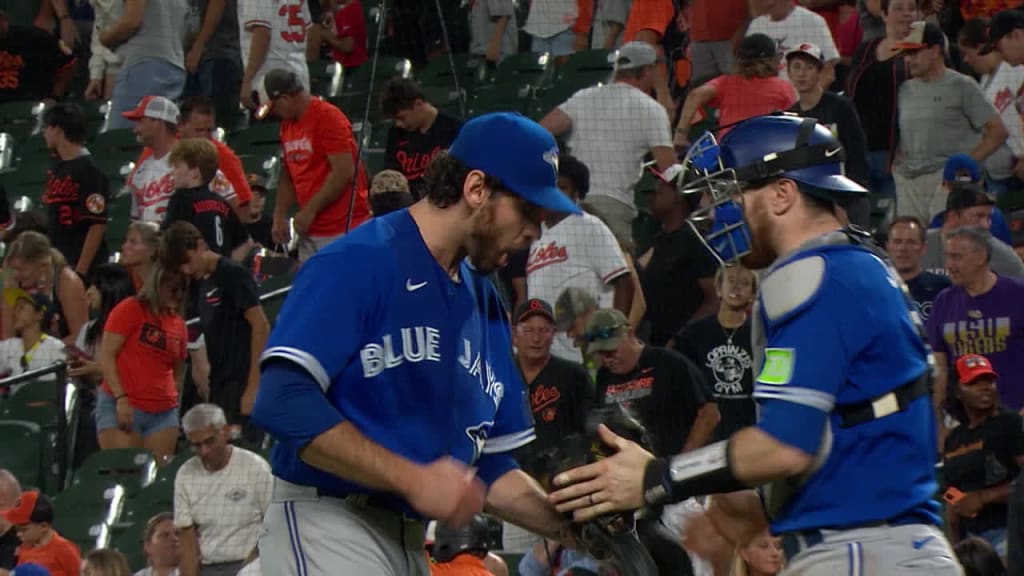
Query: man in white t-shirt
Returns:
{"type": "Point", "coordinates": [1002, 84]}
{"type": "Point", "coordinates": [277, 30]}
{"type": "Point", "coordinates": [151, 183]}
{"type": "Point", "coordinates": [611, 127]}
{"type": "Point", "coordinates": [578, 251]}
{"type": "Point", "coordinates": [220, 497]}
{"type": "Point", "coordinates": [791, 25]}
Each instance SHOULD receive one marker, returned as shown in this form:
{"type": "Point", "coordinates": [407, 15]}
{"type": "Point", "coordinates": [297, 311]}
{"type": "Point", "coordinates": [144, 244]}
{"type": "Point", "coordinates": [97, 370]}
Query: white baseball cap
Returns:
{"type": "Point", "coordinates": [806, 49]}
{"type": "Point", "coordinates": [155, 107]}
{"type": "Point", "coordinates": [633, 55]}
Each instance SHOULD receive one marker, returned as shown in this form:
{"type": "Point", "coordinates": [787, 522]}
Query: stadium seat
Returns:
{"type": "Point", "coordinates": [85, 532]}
{"type": "Point", "coordinates": [440, 72]}
{"type": "Point", "coordinates": [505, 98]}
{"type": "Point", "coordinates": [100, 499]}
{"type": "Point", "coordinates": [35, 402]}
{"type": "Point", "coordinates": [33, 150]}
{"type": "Point", "coordinates": [388, 67]}
{"type": "Point", "coordinates": [378, 137]}
{"type": "Point", "coordinates": [129, 542]}
{"type": "Point", "coordinates": [262, 138]}
{"type": "Point", "coordinates": [150, 501]}
{"type": "Point", "coordinates": [20, 118]}
{"type": "Point", "coordinates": [133, 468]}
{"type": "Point", "coordinates": [167, 472]}
{"type": "Point", "coordinates": [324, 77]}
{"type": "Point", "coordinates": [524, 68]}
{"type": "Point", "coordinates": [28, 179]}
{"type": "Point", "coordinates": [587, 62]}
{"type": "Point", "coordinates": [231, 116]}
{"type": "Point", "coordinates": [22, 451]}
{"type": "Point", "coordinates": [119, 212]}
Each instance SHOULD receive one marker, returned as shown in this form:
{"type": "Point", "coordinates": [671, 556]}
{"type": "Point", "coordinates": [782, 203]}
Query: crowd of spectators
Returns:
{"type": "Point", "coordinates": [163, 333]}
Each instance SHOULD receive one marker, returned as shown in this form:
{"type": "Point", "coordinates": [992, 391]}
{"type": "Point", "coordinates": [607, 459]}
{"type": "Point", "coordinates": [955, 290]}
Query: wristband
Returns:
{"type": "Point", "coordinates": [696, 473]}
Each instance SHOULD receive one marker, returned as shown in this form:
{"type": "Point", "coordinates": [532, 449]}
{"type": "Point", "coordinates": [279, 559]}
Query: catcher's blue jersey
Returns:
{"type": "Point", "coordinates": [420, 363]}
{"type": "Point", "coordinates": [840, 332]}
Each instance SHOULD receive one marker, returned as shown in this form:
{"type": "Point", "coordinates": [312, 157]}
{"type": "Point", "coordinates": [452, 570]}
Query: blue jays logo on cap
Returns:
{"type": "Point", "coordinates": [518, 152]}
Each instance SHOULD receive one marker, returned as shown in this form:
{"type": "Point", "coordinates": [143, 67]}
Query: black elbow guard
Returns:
{"type": "Point", "coordinates": [702, 471]}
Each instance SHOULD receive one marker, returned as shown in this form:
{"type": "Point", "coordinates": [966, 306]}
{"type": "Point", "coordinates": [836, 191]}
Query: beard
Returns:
{"type": "Point", "coordinates": [482, 246]}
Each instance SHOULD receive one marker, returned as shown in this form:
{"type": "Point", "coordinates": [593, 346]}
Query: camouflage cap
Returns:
{"type": "Point", "coordinates": [605, 330]}
{"type": "Point", "coordinates": [570, 305]}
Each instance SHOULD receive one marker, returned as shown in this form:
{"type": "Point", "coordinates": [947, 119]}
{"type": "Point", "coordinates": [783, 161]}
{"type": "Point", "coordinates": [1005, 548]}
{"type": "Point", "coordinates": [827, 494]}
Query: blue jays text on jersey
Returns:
{"type": "Point", "coordinates": [821, 354]}
{"type": "Point", "coordinates": [420, 363]}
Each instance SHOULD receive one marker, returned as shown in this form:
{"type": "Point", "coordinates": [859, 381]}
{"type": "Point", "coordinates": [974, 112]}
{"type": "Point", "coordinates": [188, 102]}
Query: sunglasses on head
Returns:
{"type": "Point", "coordinates": [603, 333]}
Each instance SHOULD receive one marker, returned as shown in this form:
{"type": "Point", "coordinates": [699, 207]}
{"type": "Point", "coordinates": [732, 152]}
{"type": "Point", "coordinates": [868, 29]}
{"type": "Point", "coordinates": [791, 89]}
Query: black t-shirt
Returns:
{"type": "Point", "coordinates": [670, 281]}
{"type": "Point", "coordinates": [559, 398]}
{"type": "Point", "coordinates": [260, 232]}
{"type": "Point", "coordinates": [30, 58]}
{"type": "Point", "coordinates": [664, 392]}
{"type": "Point", "coordinates": [983, 457]}
{"type": "Point", "coordinates": [226, 295]}
{"type": "Point", "coordinates": [77, 194]}
{"type": "Point", "coordinates": [9, 543]}
{"type": "Point", "coordinates": [410, 152]}
{"type": "Point", "coordinates": [726, 359]}
{"type": "Point", "coordinates": [873, 89]}
{"type": "Point", "coordinates": [211, 214]}
{"type": "Point", "coordinates": [840, 116]}
{"type": "Point", "coordinates": [924, 288]}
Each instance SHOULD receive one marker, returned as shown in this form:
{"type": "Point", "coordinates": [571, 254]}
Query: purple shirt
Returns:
{"type": "Point", "coordinates": [991, 324]}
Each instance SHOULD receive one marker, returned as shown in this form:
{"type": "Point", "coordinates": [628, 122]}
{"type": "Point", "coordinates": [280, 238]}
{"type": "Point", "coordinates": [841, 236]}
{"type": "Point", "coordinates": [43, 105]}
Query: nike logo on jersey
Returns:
{"type": "Point", "coordinates": [918, 544]}
{"type": "Point", "coordinates": [409, 286]}
{"type": "Point", "coordinates": [833, 152]}
{"type": "Point", "coordinates": [212, 293]}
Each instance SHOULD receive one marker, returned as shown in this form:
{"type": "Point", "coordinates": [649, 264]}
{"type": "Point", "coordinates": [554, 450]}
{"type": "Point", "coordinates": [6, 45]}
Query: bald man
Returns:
{"type": "Point", "coordinates": [10, 490]}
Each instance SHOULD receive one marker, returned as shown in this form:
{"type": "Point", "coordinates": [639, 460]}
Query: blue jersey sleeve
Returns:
{"type": "Point", "coordinates": [318, 331]}
{"type": "Point", "coordinates": [805, 363]}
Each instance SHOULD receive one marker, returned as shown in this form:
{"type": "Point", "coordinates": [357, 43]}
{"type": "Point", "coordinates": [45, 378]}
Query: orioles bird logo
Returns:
{"type": "Point", "coordinates": [478, 436]}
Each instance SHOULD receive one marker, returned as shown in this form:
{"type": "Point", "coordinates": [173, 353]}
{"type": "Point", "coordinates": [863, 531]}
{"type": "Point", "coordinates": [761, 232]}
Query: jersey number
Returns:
{"type": "Point", "coordinates": [65, 215]}
{"type": "Point", "coordinates": [296, 32]}
{"type": "Point", "coordinates": [219, 231]}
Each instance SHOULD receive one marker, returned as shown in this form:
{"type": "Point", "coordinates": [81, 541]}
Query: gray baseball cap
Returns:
{"type": "Point", "coordinates": [633, 55]}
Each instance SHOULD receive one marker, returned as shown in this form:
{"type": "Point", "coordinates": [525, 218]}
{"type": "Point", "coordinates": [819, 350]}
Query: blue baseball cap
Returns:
{"type": "Point", "coordinates": [958, 163]}
{"type": "Point", "coordinates": [517, 151]}
{"type": "Point", "coordinates": [30, 569]}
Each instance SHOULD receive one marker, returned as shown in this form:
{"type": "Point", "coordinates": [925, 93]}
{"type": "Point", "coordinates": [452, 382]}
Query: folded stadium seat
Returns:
{"type": "Point", "coordinates": [500, 98]}
{"type": "Point", "coordinates": [261, 139]}
{"type": "Point", "coordinates": [166, 473]}
{"type": "Point", "coordinates": [28, 179]}
{"type": "Point", "coordinates": [130, 543]}
{"type": "Point", "coordinates": [378, 135]}
{"type": "Point", "coordinates": [354, 105]}
{"type": "Point", "coordinates": [86, 533]}
{"type": "Point", "coordinates": [150, 501]}
{"type": "Point", "coordinates": [324, 77]}
{"type": "Point", "coordinates": [37, 402]}
{"type": "Point", "coordinates": [440, 72]}
{"type": "Point", "coordinates": [114, 153]}
{"type": "Point", "coordinates": [231, 115]}
{"type": "Point", "coordinates": [524, 68]}
{"type": "Point", "coordinates": [446, 98]}
{"type": "Point", "coordinates": [100, 500]}
{"type": "Point", "coordinates": [20, 118]}
{"type": "Point", "coordinates": [585, 63]}
{"type": "Point", "coordinates": [23, 451]}
{"type": "Point", "coordinates": [32, 150]}
{"type": "Point", "coordinates": [388, 67]}
{"type": "Point", "coordinates": [119, 211]}
{"type": "Point", "coordinates": [132, 468]}
{"type": "Point", "coordinates": [95, 115]}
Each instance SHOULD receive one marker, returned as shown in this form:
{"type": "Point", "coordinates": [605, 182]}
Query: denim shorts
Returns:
{"type": "Point", "coordinates": [560, 44]}
{"type": "Point", "coordinates": [144, 423]}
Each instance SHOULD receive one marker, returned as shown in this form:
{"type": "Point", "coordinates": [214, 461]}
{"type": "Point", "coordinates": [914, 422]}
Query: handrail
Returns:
{"type": "Point", "coordinates": [60, 369]}
{"type": "Point", "coordinates": [263, 298]}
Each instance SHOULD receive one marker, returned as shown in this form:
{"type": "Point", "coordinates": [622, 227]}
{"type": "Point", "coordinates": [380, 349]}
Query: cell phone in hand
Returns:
{"type": "Point", "coordinates": [953, 495]}
{"type": "Point", "coordinates": [72, 350]}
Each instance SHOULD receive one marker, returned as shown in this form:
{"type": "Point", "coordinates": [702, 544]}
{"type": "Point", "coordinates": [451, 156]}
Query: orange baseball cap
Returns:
{"type": "Point", "coordinates": [32, 507]}
{"type": "Point", "coordinates": [970, 367]}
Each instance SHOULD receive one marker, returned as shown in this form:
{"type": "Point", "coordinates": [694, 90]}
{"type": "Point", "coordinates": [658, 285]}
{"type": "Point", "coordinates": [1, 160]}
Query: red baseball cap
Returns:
{"type": "Point", "coordinates": [155, 107]}
{"type": "Point", "coordinates": [32, 507]}
{"type": "Point", "coordinates": [970, 367]}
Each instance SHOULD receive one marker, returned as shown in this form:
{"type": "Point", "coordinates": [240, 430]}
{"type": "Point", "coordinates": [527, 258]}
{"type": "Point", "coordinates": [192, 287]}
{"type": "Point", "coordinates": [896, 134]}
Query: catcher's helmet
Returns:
{"type": "Point", "coordinates": [449, 542]}
{"type": "Point", "coordinates": [753, 152]}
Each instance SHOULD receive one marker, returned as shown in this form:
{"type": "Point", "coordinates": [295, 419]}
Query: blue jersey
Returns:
{"type": "Point", "coordinates": [420, 363]}
{"type": "Point", "coordinates": [841, 331]}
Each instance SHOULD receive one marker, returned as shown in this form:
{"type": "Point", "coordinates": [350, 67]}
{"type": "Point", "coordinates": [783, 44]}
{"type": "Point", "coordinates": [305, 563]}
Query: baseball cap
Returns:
{"type": "Point", "coordinates": [32, 507]}
{"type": "Point", "coordinates": [517, 151]}
{"type": "Point", "coordinates": [30, 569]}
{"type": "Point", "coordinates": [571, 304]}
{"type": "Point", "coordinates": [1015, 220]}
{"type": "Point", "coordinates": [39, 300]}
{"type": "Point", "coordinates": [257, 181]}
{"type": "Point", "coordinates": [633, 55]}
{"type": "Point", "coordinates": [533, 307]}
{"type": "Point", "coordinates": [389, 181]}
{"type": "Point", "coordinates": [155, 107]}
{"type": "Point", "coordinates": [1003, 22]}
{"type": "Point", "coordinates": [967, 195]}
{"type": "Point", "coordinates": [807, 49]}
{"type": "Point", "coordinates": [961, 168]}
{"type": "Point", "coordinates": [278, 82]}
{"type": "Point", "coordinates": [970, 367]}
{"type": "Point", "coordinates": [922, 35]}
{"type": "Point", "coordinates": [605, 330]}
{"type": "Point", "coordinates": [757, 46]}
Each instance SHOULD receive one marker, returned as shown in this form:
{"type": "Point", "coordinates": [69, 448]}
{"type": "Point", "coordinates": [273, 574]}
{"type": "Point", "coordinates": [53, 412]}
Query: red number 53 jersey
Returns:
{"type": "Point", "coordinates": [287, 21]}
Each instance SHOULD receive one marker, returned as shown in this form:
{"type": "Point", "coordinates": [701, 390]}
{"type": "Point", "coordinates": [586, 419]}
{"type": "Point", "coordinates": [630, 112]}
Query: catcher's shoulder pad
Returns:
{"type": "Point", "coordinates": [791, 287]}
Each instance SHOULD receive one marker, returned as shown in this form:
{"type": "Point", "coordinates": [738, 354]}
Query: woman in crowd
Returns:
{"type": "Point", "coordinates": [875, 77]}
{"type": "Point", "coordinates": [761, 557]}
{"type": "Point", "coordinates": [105, 562]}
{"type": "Point", "coordinates": [163, 549]}
{"type": "Point", "coordinates": [142, 355]}
{"type": "Point", "coordinates": [753, 89]}
{"type": "Point", "coordinates": [33, 265]}
{"type": "Point", "coordinates": [140, 250]}
{"type": "Point", "coordinates": [982, 456]}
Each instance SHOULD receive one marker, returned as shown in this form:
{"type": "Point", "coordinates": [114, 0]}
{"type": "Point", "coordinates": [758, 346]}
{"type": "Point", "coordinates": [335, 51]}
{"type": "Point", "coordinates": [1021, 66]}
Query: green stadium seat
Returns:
{"type": "Point", "coordinates": [35, 402]}
{"type": "Point", "coordinates": [376, 160]}
{"type": "Point", "coordinates": [85, 532]}
{"type": "Point", "coordinates": [20, 119]}
{"type": "Point", "coordinates": [28, 179]}
{"type": "Point", "coordinates": [130, 543]}
{"type": "Point", "coordinates": [101, 499]}
{"type": "Point", "coordinates": [524, 68]}
{"type": "Point", "coordinates": [119, 217]}
{"type": "Point", "coordinates": [150, 501]}
{"type": "Point", "coordinates": [133, 468]}
{"type": "Point", "coordinates": [587, 62]}
{"type": "Point", "coordinates": [231, 116]}
{"type": "Point", "coordinates": [508, 98]}
{"type": "Point", "coordinates": [388, 67]}
{"type": "Point", "coordinates": [440, 72]}
{"type": "Point", "coordinates": [22, 451]}
{"type": "Point", "coordinates": [121, 140]}
{"type": "Point", "coordinates": [33, 150]}
{"type": "Point", "coordinates": [168, 471]}
{"type": "Point", "coordinates": [324, 77]}
{"type": "Point", "coordinates": [379, 135]}
{"type": "Point", "coordinates": [261, 138]}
